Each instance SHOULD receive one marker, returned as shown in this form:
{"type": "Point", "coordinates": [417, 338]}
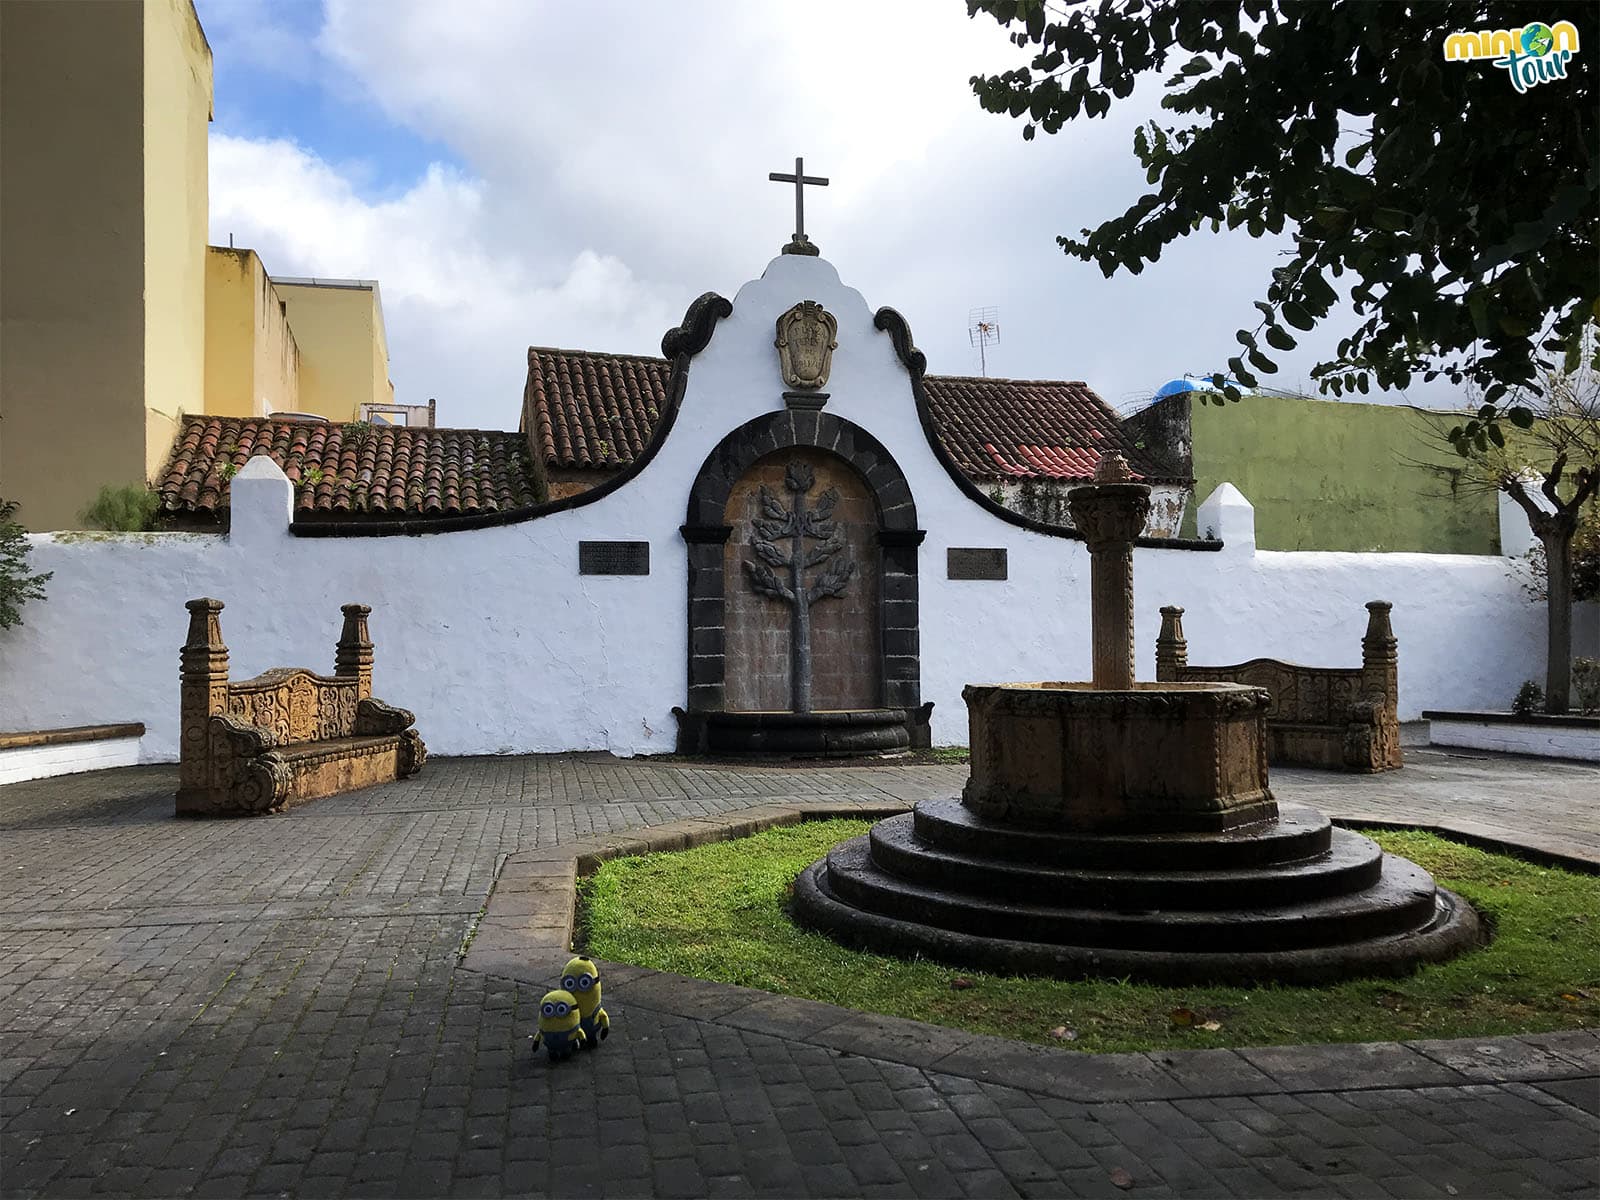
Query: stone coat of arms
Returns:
{"type": "Point", "coordinates": [806, 344]}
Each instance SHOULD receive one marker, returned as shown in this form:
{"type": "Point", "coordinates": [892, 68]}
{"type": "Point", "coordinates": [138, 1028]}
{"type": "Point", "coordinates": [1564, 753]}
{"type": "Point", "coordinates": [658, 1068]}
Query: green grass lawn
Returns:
{"type": "Point", "coordinates": [718, 912]}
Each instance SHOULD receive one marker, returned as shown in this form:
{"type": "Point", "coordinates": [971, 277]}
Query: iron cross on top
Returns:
{"type": "Point", "coordinates": [800, 244]}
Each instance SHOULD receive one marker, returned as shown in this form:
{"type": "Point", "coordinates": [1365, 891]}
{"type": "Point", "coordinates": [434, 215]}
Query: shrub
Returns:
{"type": "Point", "coordinates": [130, 509]}
{"type": "Point", "coordinates": [1586, 684]}
{"type": "Point", "coordinates": [17, 587]}
{"type": "Point", "coordinates": [1530, 699]}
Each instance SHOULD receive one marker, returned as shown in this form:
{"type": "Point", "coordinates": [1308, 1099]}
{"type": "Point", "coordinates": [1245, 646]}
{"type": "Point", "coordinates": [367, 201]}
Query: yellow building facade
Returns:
{"type": "Point", "coordinates": [252, 356]}
{"type": "Point", "coordinates": [344, 351]}
{"type": "Point", "coordinates": [103, 115]}
{"type": "Point", "coordinates": [117, 319]}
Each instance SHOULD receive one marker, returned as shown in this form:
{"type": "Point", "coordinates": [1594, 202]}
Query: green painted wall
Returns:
{"type": "Point", "coordinates": [1326, 475]}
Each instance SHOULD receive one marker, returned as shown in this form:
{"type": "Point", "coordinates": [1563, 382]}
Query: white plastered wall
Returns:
{"type": "Point", "coordinates": [500, 646]}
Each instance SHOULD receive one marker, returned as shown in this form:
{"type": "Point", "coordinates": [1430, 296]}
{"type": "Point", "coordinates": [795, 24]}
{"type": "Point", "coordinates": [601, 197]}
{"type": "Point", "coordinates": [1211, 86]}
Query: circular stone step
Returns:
{"type": "Point", "coordinates": [1350, 864]}
{"type": "Point", "coordinates": [1402, 899]}
{"type": "Point", "coordinates": [1451, 927]}
{"type": "Point", "coordinates": [1300, 832]}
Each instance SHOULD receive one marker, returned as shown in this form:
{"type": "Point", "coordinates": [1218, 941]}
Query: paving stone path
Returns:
{"type": "Point", "coordinates": [275, 1007]}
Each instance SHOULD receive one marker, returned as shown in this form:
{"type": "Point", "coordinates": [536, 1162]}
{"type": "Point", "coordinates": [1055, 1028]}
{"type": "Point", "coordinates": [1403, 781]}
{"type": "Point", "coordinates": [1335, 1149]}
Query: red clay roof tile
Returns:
{"type": "Point", "coordinates": [376, 471]}
{"type": "Point", "coordinates": [597, 410]}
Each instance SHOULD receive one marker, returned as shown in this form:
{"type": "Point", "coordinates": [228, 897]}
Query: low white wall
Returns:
{"type": "Point", "coordinates": [1546, 741]}
{"type": "Point", "coordinates": [40, 762]}
{"type": "Point", "coordinates": [500, 646]}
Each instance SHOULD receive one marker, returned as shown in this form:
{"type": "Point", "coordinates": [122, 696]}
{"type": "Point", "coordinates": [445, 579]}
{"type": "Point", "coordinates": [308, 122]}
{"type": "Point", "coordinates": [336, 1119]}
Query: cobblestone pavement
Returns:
{"type": "Point", "coordinates": [274, 1007]}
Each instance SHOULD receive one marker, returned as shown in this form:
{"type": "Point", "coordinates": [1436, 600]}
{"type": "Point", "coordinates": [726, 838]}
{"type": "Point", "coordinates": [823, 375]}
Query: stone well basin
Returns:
{"type": "Point", "coordinates": [1154, 758]}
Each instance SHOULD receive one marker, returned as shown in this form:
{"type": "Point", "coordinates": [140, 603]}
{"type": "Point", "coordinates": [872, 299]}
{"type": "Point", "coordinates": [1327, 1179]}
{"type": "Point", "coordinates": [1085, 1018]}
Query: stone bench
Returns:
{"type": "Point", "coordinates": [288, 735]}
{"type": "Point", "coordinates": [1339, 717]}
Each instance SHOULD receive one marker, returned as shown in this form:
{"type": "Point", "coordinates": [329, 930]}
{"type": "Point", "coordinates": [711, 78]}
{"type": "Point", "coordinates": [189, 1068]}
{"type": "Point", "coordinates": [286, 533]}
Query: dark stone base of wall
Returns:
{"type": "Point", "coordinates": [832, 734]}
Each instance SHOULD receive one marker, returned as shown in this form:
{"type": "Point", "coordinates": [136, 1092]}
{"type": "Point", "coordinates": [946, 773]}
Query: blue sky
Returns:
{"type": "Point", "coordinates": [272, 81]}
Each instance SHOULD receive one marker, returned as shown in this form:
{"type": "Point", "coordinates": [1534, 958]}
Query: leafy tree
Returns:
{"type": "Point", "coordinates": [1459, 213]}
{"type": "Point", "coordinates": [17, 587]}
{"type": "Point", "coordinates": [1553, 473]}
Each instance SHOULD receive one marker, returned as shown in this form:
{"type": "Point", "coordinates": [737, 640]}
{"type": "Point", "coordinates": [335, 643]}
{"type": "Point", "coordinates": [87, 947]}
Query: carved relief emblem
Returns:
{"type": "Point", "coordinates": [806, 344]}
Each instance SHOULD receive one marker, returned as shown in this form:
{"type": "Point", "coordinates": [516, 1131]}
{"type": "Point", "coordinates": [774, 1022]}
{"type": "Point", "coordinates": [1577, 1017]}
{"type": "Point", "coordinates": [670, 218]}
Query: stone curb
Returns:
{"type": "Point", "coordinates": [1497, 839]}
{"type": "Point", "coordinates": [526, 930]}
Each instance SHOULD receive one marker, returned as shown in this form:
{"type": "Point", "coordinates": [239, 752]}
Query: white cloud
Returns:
{"type": "Point", "coordinates": [614, 161]}
{"type": "Point", "coordinates": [460, 313]}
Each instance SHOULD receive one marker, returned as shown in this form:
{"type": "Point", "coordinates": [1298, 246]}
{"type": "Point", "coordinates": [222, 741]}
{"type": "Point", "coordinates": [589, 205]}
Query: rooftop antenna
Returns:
{"type": "Point", "coordinates": [983, 331]}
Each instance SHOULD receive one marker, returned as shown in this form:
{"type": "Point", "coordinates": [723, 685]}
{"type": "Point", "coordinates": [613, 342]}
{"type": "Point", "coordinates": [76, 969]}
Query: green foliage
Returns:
{"type": "Point", "coordinates": [1585, 561]}
{"type": "Point", "coordinates": [17, 587]}
{"type": "Point", "coordinates": [1459, 216]}
{"type": "Point", "coordinates": [130, 509]}
{"type": "Point", "coordinates": [1528, 700]}
{"type": "Point", "coordinates": [717, 912]}
{"type": "Point", "coordinates": [1586, 557]}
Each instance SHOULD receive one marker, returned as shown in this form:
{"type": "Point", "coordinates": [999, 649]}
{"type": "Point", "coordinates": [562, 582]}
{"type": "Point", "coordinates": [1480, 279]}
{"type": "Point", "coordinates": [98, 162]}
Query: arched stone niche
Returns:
{"type": "Point", "coordinates": [739, 660]}
{"type": "Point", "coordinates": [847, 668]}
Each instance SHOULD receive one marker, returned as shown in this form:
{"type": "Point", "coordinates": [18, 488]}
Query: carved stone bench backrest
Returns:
{"type": "Point", "coordinates": [1310, 695]}
{"type": "Point", "coordinates": [297, 705]}
{"type": "Point", "coordinates": [294, 704]}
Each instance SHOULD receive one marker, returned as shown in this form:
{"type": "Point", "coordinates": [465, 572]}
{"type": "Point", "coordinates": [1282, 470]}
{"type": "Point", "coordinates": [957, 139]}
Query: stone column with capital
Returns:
{"type": "Point", "coordinates": [1110, 513]}
{"type": "Point", "coordinates": [203, 693]}
{"type": "Point", "coordinates": [353, 656]}
{"type": "Point", "coordinates": [1172, 650]}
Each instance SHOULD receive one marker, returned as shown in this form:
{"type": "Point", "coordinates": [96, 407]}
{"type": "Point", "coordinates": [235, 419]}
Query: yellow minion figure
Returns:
{"type": "Point", "coordinates": [559, 1029]}
{"type": "Point", "coordinates": [582, 979]}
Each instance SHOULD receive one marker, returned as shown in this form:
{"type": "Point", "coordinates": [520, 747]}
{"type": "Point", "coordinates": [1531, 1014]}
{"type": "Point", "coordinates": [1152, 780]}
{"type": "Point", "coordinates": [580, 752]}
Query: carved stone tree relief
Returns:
{"type": "Point", "coordinates": [795, 524]}
{"type": "Point", "coordinates": [802, 588]}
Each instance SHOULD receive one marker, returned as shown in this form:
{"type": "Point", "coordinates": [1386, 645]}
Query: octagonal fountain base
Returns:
{"type": "Point", "coordinates": [1130, 833]}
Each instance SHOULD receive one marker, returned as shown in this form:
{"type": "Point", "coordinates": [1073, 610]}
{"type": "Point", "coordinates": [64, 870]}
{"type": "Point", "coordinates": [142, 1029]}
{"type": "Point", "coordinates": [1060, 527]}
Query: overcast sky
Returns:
{"type": "Point", "coordinates": [518, 173]}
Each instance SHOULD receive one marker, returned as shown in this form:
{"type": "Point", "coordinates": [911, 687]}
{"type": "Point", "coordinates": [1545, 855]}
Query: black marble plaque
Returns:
{"type": "Point", "coordinates": [968, 562]}
{"type": "Point", "coordinates": [613, 558]}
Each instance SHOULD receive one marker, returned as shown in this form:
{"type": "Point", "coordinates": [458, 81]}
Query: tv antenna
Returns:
{"type": "Point", "coordinates": [983, 331]}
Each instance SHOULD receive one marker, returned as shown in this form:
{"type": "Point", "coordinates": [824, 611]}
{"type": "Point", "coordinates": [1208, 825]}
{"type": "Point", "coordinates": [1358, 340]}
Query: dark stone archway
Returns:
{"type": "Point", "coordinates": [706, 533]}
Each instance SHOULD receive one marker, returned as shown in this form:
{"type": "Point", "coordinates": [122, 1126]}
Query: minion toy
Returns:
{"type": "Point", "coordinates": [582, 979]}
{"type": "Point", "coordinates": [559, 1029]}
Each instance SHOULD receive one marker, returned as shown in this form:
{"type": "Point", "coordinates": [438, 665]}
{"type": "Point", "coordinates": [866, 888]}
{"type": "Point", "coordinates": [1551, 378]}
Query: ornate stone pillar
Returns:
{"type": "Point", "coordinates": [353, 655]}
{"type": "Point", "coordinates": [1172, 651]}
{"type": "Point", "coordinates": [1110, 513]}
{"type": "Point", "coordinates": [1380, 659]}
{"type": "Point", "coordinates": [203, 692]}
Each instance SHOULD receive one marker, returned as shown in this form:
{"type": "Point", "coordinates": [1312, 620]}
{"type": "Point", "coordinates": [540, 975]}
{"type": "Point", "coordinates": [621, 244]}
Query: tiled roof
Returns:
{"type": "Point", "coordinates": [1028, 428]}
{"type": "Point", "coordinates": [597, 410]}
{"type": "Point", "coordinates": [594, 410]}
{"type": "Point", "coordinates": [352, 471]}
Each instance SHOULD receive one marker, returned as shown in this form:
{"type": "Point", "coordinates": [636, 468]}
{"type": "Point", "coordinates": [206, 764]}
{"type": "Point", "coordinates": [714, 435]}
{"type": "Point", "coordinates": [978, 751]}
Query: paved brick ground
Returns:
{"type": "Point", "coordinates": [274, 1007]}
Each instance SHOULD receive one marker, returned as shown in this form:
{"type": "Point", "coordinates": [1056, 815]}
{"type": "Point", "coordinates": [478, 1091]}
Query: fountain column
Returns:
{"type": "Point", "coordinates": [1110, 513]}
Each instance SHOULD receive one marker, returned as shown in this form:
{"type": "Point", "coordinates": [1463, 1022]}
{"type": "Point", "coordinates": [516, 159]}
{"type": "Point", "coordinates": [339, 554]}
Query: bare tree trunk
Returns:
{"type": "Point", "coordinates": [1557, 542]}
{"type": "Point", "coordinates": [1555, 531]}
